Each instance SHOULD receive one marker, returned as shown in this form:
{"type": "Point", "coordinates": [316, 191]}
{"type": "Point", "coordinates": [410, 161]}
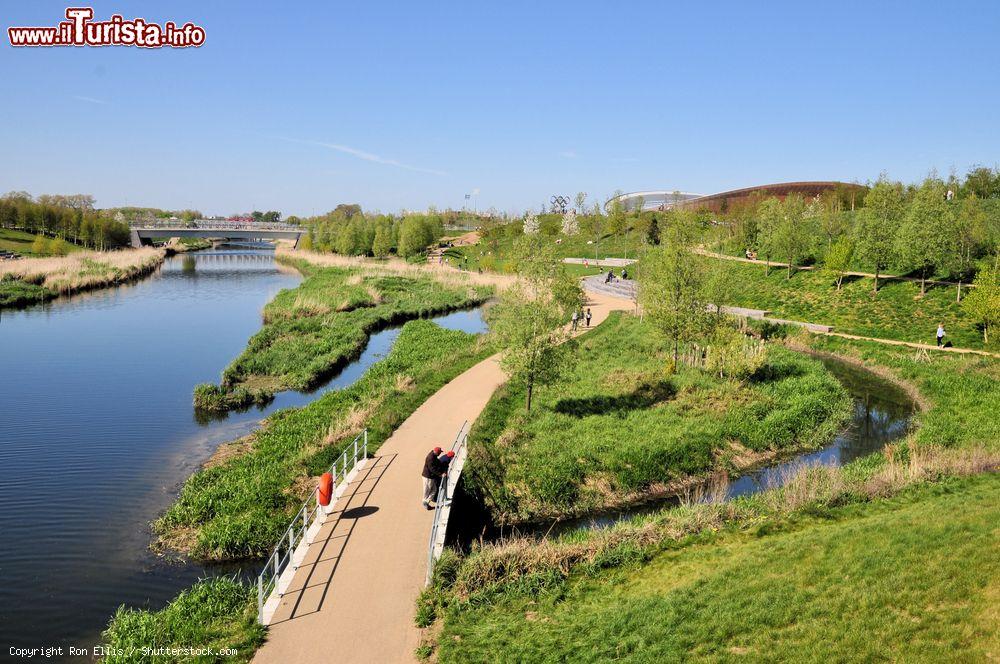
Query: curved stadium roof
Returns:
{"type": "Point", "coordinates": [664, 200]}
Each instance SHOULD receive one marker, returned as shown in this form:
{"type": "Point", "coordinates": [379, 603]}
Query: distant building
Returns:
{"type": "Point", "coordinates": [723, 201]}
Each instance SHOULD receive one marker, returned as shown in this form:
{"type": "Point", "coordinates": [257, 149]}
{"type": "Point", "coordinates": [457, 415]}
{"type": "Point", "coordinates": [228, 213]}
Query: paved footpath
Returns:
{"type": "Point", "coordinates": [353, 598]}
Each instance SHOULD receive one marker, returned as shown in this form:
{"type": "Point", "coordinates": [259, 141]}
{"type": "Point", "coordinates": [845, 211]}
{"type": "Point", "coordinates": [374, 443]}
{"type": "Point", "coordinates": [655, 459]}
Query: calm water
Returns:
{"type": "Point", "coordinates": [97, 432]}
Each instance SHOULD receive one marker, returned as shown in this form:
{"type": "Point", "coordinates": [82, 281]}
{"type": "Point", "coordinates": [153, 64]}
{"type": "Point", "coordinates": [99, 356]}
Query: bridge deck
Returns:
{"type": "Point", "coordinates": [353, 599]}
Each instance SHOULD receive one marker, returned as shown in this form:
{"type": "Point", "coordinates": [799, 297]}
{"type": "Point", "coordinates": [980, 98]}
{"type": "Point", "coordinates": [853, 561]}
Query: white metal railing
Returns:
{"type": "Point", "coordinates": [440, 525]}
{"type": "Point", "coordinates": [282, 555]}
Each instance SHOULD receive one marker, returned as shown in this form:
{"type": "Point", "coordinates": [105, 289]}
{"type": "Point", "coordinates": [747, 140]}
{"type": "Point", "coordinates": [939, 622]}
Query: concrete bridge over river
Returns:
{"type": "Point", "coordinates": [144, 232]}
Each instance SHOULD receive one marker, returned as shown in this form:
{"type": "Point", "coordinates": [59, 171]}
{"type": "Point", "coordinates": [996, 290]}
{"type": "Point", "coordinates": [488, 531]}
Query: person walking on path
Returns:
{"type": "Point", "coordinates": [588, 316]}
{"type": "Point", "coordinates": [576, 318]}
{"type": "Point", "coordinates": [431, 476]}
{"type": "Point", "coordinates": [624, 274]}
{"type": "Point", "coordinates": [940, 335]}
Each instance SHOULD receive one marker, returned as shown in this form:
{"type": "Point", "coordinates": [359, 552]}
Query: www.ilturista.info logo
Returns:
{"type": "Point", "coordinates": [80, 30]}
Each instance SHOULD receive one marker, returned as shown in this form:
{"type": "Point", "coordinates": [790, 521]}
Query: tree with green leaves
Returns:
{"type": "Point", "coordinates": [838, 258]}
{"type": "Point", "coordinates": [875, 233]}
{"type": "Point", "coordinates": [581, 202]}
{"type": "Point", "coordinates": [382, 242]}
{"type": "Point", "coordinates": [529, 320]}
{"type": "Point", "coordinates": [792, 232]}
{"type": "Point", "coordinates": [770, 217]}
{"type": "Point", "coordinates": [968, 235]}
{"type": "Point", "coordinates": [671, 282]}
{"type": "Point", "coordinates": [983, 302]}
{"type": "Point", "coordinates": [923, 242]}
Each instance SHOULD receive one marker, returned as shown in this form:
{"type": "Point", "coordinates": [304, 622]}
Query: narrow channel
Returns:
{"type": "Point", "coordinates": [882, 413]}
{"type": "Point", "coordinates": [97, 432]}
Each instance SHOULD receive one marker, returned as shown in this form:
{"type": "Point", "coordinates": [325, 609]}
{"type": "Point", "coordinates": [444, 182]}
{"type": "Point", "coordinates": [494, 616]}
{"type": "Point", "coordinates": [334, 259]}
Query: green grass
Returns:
{"type": "Point", "coordinates": [17, 293]}
{"type": "Point", "coordinates": [899, 312]}
{"type": "Point", "coordinates": [617, 427]}
{"type": "Point", "coordinates": [315, 329]}
{"type": "Point", "coordinates": [497, 258]}
{"type": "Point", "coordinates": [21, 242]}
{"type": "Point", "coordinates": [215, 614]}
{"type": "Point", "coordinates": [237, 509]}
{"type": "Point", "coordinates": [911, 578]}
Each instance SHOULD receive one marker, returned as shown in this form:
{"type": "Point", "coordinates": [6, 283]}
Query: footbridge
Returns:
{"type": "Point", "coordinates": [144, 232]}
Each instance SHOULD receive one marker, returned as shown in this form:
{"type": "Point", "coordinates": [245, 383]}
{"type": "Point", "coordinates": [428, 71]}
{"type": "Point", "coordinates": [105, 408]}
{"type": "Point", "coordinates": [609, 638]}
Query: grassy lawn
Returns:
{"type": "Point", "coordinates": [238, 507]}
{"type": "Point", "coordinates": [312, 330]}
{"type": "Point", "coordinates": [495, 256]}
{"type": "Point", "coordinates": [911, 578]}
{"type": "Point", "coordinates": [617, 428]}
{"type": "Point", "coordinates": [21, 242]}
{"type": "Point", "coordinates": [899, 311]}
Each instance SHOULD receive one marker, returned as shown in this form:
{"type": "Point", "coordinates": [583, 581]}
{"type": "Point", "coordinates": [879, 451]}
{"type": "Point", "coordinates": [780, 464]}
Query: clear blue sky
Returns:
{"type": "Point", "coordinates": [298, 106]}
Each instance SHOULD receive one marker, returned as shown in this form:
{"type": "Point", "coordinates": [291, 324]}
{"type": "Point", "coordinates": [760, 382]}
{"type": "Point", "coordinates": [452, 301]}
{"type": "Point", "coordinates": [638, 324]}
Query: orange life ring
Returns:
{"type": "Point", "coordinates": [325, 489]}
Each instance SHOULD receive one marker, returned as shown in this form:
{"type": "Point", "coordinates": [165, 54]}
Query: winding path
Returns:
{"type": "Point", "coordinates": [353, 598]}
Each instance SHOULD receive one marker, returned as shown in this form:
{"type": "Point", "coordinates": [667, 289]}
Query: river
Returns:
{"type": "Point", "coordinates": [97, 432]}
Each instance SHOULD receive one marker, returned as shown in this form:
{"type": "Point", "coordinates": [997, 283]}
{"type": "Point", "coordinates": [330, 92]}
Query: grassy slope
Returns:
{"type": "Point", "coordinates": [312, 330]}
{"type": "Point", "coordinates": [20, 242]}
{"type": "Point", "coordinates": [237, 509]}
{"type": "Point", "coordinates": [909, 579]}
{"type": "Point", "coordinates": [899, 312]}
{"type": "Point", "coordinates": [217, 614]}
{"type": "Point", "coordinates": [617, 427]}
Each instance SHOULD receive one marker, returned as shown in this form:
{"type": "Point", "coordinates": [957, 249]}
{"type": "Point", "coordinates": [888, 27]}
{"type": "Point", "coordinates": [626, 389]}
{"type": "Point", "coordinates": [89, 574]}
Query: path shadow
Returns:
{"type": "Point", "coordinates": [644, 396]}
{"type": "Point", "coordinates": [359, 512]}
{"type": "Point", "coordinates": [311, 583]}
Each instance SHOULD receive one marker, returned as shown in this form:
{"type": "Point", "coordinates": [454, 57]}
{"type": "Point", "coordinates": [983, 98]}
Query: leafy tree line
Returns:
{"type": "Point", "coordinates": [928, 230]}
{"type": "Point", "coordinates": [65, 219]}
{"type": "Point", "coordinates": [349, 231]}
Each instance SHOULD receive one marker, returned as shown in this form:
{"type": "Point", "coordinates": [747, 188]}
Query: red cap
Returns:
{"type": "Point", "coordinates": [437, 450]}
{"type": "Point", "coordinates": [451, 453]}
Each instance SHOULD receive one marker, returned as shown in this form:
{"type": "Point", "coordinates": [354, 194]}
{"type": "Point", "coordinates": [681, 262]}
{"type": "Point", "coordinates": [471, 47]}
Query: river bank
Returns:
{"type": "Point", "coordinates": [311, 332]}
{"type": "Point", "coordinates": [35, 280]}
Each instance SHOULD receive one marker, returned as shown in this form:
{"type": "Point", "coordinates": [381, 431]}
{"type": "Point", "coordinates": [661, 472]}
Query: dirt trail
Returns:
{"type": "Point", "coordinates": [354, 596]}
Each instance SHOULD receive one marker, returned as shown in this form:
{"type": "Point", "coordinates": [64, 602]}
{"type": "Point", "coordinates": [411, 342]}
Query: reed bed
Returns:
{"type": "Point", "coordinates": [370, 266]}
{"type": "Point", "coordinates": [82, 270]}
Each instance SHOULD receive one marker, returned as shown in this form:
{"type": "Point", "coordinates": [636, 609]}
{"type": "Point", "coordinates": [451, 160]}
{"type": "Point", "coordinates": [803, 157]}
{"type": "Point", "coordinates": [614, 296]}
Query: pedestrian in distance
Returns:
{"type": "Point", "coordinates": [576, 318]}
{"type": "Point", "coordinates": [587, 316]}
{"type": "Point", "coordinates": [431, 476]}
{"type": "Point", "coordinates": [624, 274]}
{"type": "Point", "coordinates": [940, 335]}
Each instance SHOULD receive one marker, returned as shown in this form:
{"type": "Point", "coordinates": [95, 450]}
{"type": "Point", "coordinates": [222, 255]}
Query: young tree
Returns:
{"type": "Point", "coordinates": [983, 302]}
{"type": "Point", "coordinates": [413, 237]}
{"type": "Point", "coordinates": [382, 243]}
{"type": "Point", "coordinates": [581, 202]}
{"type": "Point", "coordinates": [838, 258]}
{"type": "Point", "coordinates": [529, 319]}
{"type": "Point", "coordinates": [671, 283]}
{"type": "Point", "coordinates": [40, 246]}
{"type": "Point", "coordinates": [968, 234]}
{"type": "Point", "coordinates": [531, 224]}
{"type": "Point", "coordinates": [770, 217]}
{"type": "Point", "coordinates": [923, 239]}
{"type": "Point", "coordinates": [875, 233]}
{"type": "Point", "coordinates": [792, 232]}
